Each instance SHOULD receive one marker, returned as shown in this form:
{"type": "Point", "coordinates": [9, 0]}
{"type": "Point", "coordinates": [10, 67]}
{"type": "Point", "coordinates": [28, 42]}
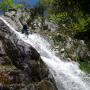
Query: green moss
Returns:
{"type": "Point", "coordinates": [45, 85]}
{"type": "Point", "coordinates": [11, 67]}
{"type": "Point", "coordinates": [85, 66]}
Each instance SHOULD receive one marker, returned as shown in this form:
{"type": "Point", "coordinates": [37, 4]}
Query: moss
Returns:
{"type": "Point", "coordinates": [12, 67]}
{"type": "Point", "coordinates": [45, 85]}
{"type": "Point", "coordinates": [85, 66]}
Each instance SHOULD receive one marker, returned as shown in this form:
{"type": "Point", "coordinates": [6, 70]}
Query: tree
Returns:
{"type": "Point", "coordinates": [25, 3]}
{"type": "Point", "coordinates": [41, 9]}
{"type": "Point", "coordinates": [5, 5]}
{"type": "Point", "coordinates": [75, 14]}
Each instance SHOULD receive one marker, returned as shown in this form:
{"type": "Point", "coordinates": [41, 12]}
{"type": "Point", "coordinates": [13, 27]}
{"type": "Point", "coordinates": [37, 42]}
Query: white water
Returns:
{"type": "Point", "coordinates": [67, 75]}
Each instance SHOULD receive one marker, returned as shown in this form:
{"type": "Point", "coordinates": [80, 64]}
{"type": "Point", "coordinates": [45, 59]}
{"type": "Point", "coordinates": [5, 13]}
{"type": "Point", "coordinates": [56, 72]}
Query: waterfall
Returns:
{"type": "Point", "coordinates": [67, 74]}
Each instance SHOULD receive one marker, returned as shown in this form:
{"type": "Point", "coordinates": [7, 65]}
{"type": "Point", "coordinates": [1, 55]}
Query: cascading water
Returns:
{"type": "Point", "coordinates": [67, 75]}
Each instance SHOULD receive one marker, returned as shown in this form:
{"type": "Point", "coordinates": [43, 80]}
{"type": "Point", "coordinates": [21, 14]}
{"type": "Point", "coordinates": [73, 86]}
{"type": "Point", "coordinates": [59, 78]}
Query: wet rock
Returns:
{"type": "Point", "coordinates": [28, 66]}
{"type": "Point", "coordinates": [43, 85]}
{"type": "Point", "coordinates": [71, 48]}
{"type": "Point", "coordinates": [51, 26]}
{"type": "Point", "coordinates": [4, 88]}
{"type": "Point", "coordinates": [4, 59]}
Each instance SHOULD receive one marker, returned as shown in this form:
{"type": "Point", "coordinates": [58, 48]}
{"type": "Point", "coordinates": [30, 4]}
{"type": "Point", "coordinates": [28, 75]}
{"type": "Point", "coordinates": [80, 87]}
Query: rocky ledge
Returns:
{"type": "Point", "coordinates": [21, 67]}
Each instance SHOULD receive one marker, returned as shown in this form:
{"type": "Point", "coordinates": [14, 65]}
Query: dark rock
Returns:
{"type": "Point", "coordinates": [43, 85]}
{"type": "Point", "coordinates": [30, 67]}
{"type": "Point", "coordinates": [4, 59]}
{"type": "Point", "coordinates": [4, 88]}
{"type": "Point", "coordinates": [45, 27]}
{"type": "Point", "coordinates": [22, 52]}
{"type": "Point", "coordinates": [84, 36]}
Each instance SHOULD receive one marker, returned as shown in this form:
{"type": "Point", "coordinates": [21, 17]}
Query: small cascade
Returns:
{"type": "Point", "coordinates": [67, 75]}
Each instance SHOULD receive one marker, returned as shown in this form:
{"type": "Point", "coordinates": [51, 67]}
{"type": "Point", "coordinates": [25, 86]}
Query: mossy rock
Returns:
{"type": "Point", "coordinates": [45, 85]}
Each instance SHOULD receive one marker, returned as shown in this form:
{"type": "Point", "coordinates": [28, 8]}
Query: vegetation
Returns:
{"type": "Point", "coordinates": [73, 18]}
{"type": "Point", "coordinates": [5, 5]}
{"type": "Point", "coordinates": [24, 3]}
{"type": "Point", "coordinates": [84, 65]}
{"type": "Point", "coordinates": [73, 13]}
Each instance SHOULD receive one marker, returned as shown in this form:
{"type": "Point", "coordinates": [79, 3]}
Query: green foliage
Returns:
{"type": "Point", "coordinates": [16, 6]}
{"type": "Point", "coordinates": [85, 66]}
{"type": "Point", "coordinates": [60, 17]}
{"type": "Point", "coordinates": [73, 13]}
{"type": "Point", "coordinates": [5, 5]}
{"type": "Point", "coordinates": [25, 3]}
{"type": "Point", "coordinates": [46, 3]}
{"type": "Point", "coordinates": [79, 26]}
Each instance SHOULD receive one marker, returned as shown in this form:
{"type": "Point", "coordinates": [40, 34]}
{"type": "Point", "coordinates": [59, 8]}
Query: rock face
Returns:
{"type": "Point", "coordinates": [23, 67]}
{"type": "Point", "coordinates": [71, 48]}
{"type": "Point", "coordinates": [17, 18]}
